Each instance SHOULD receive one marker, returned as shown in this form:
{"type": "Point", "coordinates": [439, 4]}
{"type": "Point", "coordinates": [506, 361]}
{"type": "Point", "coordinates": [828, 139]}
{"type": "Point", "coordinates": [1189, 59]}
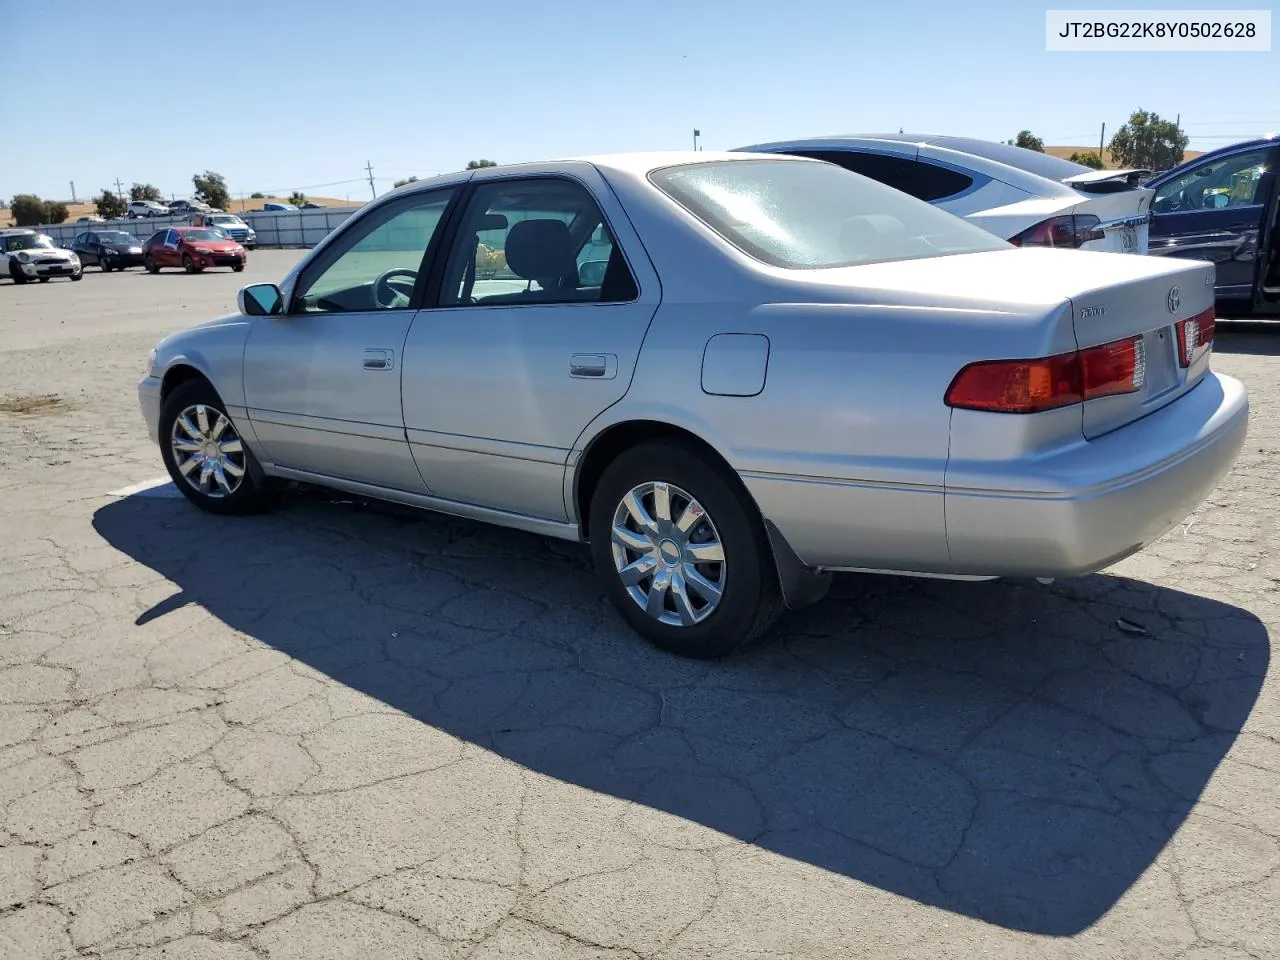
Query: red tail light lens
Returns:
{"type": "Point", "coordinates": [1031, 386]}
{"type": "Point", "coordinates": [1067, 231]}
{"type": "Point", "coordinates": [1195, 336]}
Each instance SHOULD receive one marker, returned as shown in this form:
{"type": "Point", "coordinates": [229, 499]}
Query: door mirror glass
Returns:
{"type": "Point", "coordinates": [261, 300]}
{"type": "Point", "coordinates": [591, 273]}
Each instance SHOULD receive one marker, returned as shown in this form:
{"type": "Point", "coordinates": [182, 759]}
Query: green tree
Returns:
{"type": "Point", "coordinates": [257, 195]}
{"type": "Point", "coordinates": [28, 210]}
{"type": "Point", "coordinates": [1028, 141]}
{"type": "Point", "coordinates": [401, 183]}
{"type": "Point", "coordinates": [144, 191]}
{"type": "Point", "coordinates": [478, 164]}
{"type": "Point", "coordinates": [55, 211]}
{"type": "Point", "coordinates": [1148, 142]}
{"type": "Point", "coordinates": [1089, 158]}
{"type": "Point", "coordinates": [297, 198]}
{"type": "Point", "coordinates": [110, 205]}
{"type": "Point", "coordinates": [212, 189]}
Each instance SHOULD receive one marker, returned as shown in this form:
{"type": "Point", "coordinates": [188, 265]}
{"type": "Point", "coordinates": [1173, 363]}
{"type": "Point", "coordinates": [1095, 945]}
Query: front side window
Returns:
{"type": "Point", "coordinates": [800, 215]}
{"type": "Point", "coordinates": [1227, 182]}
{"type": "Point", "coordinates": [375, 264]}
{"type": "Point", "coordinates": [538, 240]}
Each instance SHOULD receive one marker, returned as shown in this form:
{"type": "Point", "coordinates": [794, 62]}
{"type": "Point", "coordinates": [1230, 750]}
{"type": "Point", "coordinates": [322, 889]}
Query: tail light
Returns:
{"type": "Point", "coordinates": [1030, 386]}
{"type": "Point", "coordinates": [1195, 336]}
{"type": "Point", "coordinates": [1072, 230]}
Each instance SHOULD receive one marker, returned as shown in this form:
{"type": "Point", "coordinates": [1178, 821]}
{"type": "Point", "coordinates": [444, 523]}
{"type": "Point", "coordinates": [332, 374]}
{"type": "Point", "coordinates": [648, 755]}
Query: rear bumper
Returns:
{"type": "Point", "coordinates": [1102, 500]}
{"type": "Point", "coordinates": [1074, 512]}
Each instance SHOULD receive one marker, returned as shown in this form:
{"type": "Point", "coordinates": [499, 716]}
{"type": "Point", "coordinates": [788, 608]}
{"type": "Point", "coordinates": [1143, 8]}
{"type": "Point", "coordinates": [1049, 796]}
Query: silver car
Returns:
{"type": "Point", "coordinates": [730, 374]}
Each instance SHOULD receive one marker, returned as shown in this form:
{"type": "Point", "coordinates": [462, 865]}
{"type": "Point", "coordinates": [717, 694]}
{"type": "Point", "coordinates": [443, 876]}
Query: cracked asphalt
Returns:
{"type": "Point", "coordinates": [346, 730]}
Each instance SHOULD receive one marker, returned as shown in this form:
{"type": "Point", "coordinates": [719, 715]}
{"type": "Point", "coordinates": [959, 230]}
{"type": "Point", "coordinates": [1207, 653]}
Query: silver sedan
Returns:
{"type": "Point", "coordinates": [730, 374]}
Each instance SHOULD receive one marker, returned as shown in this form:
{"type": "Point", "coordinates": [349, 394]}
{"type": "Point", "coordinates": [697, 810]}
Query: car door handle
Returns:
{"type": "Point", "coordinates": [603, 366]}
{"type": "Point", "coordinates": [379, 359]}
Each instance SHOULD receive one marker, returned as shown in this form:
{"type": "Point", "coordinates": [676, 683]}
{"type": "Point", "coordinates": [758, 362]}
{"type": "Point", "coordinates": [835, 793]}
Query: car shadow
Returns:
{"type": "Point", "coordinates": [1259, 338]}
{"type": "Point", "coordinates": [1014, 752]}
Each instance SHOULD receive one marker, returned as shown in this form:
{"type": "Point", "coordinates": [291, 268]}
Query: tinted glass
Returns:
{"type": "Point", "coordinates": [202, 235]}
{"type": "Point", "coordinates": [114, 236]}
{"type": "Point", "coordinates": [540, 240]}
{"type": "Point", "coordinates": [801, 215]}
{"type": "Point", "coordinates": [1227, 182]}
{"type": "Point", "coordinates": [393, 238]}
{"type": "Point", "coordinates": [925, 181]}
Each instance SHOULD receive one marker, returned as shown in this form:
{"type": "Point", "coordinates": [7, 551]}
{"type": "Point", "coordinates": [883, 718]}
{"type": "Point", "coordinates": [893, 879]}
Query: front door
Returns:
{"type": "Point", "coordinates": [544, 302]}
{"type": "Point", "coordinates": [1215, 211]}
{"type": "Point", "coordinates": [322, 381]}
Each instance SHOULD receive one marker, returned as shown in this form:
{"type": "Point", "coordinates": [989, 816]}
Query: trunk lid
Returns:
{"type": "Point", "coordinates": [1145, 304]}
{"type": "Point", "coordinates": [1125, 217]}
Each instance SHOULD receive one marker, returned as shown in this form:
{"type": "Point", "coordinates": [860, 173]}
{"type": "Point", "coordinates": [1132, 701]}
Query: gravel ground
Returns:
{"type": "Point", "coordinates": [341, 730]}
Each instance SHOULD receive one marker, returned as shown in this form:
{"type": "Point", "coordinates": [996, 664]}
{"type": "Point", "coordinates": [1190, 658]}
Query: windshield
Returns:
{"type": "Point", "coordinates": [801, 214]}
{"type": "Point", "coordinates": [203, 235]}
{"type": "Point", "coordinates": [28, 241]}
{"type": "Point", "coordinates": [226, 219]}
{"type": "Point", "coordinates": [116, 236]}
{"type": "Point", "coordinates": [1033, 161]}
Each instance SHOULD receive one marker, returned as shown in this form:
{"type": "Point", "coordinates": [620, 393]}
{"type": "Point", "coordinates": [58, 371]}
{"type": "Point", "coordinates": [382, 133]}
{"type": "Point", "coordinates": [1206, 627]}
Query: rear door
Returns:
{"type": "Point", "coordinates": [544, 302]}
{"type": "Point", "coordinates": [1215, 211]}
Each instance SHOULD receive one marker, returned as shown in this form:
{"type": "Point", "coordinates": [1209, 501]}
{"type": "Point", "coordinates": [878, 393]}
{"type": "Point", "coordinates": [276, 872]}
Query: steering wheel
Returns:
{"type": "Point", "coordinates": [393, 296]}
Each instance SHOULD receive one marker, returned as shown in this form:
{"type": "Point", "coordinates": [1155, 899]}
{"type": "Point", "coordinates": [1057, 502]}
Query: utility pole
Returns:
{"type": "Point", "coordinates": [1102, 138]}
{"type": "Point", "coordinates": [368, 165]}
{"type": "Point", "coordinates": [73, 192]}
{"type": "Point", "coordinates": [696, 135]}
{"type": "Point", "coordinates": [119, 189]}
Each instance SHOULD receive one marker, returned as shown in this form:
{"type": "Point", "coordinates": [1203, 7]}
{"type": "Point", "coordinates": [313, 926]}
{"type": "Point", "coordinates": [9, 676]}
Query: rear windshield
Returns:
{"type": "Point", "coordinates": [115, 237]}
{"type": "Point", "coordinates": [1033, 161]}
{"type": "Point", "coordinates": [800, 214]}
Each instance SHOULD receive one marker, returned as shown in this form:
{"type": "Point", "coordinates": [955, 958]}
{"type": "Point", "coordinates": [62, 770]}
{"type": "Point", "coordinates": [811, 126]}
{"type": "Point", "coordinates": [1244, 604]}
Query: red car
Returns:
{"type": "Point", "coordinates": [193, 249]}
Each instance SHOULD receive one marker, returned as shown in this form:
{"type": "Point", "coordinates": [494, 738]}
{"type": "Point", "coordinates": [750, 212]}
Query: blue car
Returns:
{"type": "Point", "coordinates": [1222, 207]}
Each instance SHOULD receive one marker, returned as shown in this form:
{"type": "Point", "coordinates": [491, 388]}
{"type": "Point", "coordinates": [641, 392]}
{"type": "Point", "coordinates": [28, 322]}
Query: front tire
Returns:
{"type": "Point", "coordinates": [188, 264]}
{"type": "Point", "coordinates": [104, 266]}
{"type": "Point", "coordinates": [18, 276]}
{"type": "Point", "coordinates": [76, 277]}
{"type": "Point", "coordinates": [682, 551]}
{"type": "Point", "coordinates": [238, 268]}
{"type": "Point", "coordinates": [205, 455]}
{"type": "Point", "coordinates": [150, 264]}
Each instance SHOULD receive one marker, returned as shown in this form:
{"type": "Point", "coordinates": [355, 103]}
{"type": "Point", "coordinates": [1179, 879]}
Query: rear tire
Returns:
{"type": "Point", "coordinates": [189, 421]}
{"type": "Point", "coordinates": [44, 279]}
{"type": "Point", "coordinates": [681, 613]}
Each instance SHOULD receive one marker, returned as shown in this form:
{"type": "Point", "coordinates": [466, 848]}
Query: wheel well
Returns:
{"type": "Point", "coordinates": [606, 447]}
{"type": "Point", "coordinates": [177, 375]}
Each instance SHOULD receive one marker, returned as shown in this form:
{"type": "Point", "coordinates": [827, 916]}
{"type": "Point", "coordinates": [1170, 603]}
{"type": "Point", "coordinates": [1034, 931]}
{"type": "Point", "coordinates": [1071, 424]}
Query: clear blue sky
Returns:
{"type": "Point", "coordinates": [284, 94]}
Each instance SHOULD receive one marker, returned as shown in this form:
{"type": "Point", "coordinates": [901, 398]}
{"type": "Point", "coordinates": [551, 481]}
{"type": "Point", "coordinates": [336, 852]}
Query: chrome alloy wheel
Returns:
{"type": "Point", "coordinates": [668, 554]}
{"type": "Point", "coordinates": [207, 451]}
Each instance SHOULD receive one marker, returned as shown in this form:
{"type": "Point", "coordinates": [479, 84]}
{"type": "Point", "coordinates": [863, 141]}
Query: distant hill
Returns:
{"type": "Point", "coordinates": [1108, 161]}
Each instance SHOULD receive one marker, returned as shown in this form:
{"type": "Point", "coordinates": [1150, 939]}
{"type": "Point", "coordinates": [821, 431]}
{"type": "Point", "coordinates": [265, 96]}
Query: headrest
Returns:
{"type": "Point", "coordinates": [541, 250]}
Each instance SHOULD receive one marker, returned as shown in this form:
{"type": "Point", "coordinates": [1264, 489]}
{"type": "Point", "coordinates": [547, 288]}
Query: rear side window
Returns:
{"type": "Point", "coordinates": [924, 181]}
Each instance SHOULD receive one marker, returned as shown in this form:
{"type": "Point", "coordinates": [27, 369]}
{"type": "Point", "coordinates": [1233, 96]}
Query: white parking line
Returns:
{"type": "Point", "coordinates": [157, 487]}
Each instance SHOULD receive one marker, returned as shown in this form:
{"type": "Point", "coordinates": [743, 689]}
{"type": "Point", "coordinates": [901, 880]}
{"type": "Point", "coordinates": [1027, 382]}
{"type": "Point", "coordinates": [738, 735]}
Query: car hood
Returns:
{"type": "Point", "coordinates": [220, 245]}
{"type": "Point", "coordinates": [60, 252]}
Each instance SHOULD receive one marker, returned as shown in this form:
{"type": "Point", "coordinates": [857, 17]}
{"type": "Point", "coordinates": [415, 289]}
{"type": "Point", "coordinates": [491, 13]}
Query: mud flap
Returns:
{"type": "Point", "coordinates": [801, 585]}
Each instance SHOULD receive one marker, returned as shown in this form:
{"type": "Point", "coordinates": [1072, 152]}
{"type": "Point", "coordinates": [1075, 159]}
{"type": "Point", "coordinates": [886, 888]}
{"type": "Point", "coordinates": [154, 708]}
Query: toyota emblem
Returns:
{"type": "Point", "coordinates": [1175, 299]}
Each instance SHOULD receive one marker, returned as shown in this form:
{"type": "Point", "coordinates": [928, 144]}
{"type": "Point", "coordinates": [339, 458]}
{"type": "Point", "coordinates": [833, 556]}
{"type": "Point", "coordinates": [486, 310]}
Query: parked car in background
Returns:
{"type": "Point", "coordinates": [108, 249]}
{"type": "Point", "coordinates": [313, 206]}
{"type": "Point", "coordinates": [1029, 198]}
{"type": "Point", "coordinates": [91, 219]}
{"type": "Point", "coordinates": [278, 207]}
{"type": "Point", "coordinates": [182, 208]}
{"type": "Point", "coordinates": [145, 208]}
{"type": "Point", "coordinates": [1224, 207]}
{"type": "Point", "coordinates": [194, 249]}
{"type": "Point", "coordinates": [26, 255]}
{"type": "Point", "coordinates": [230, 224]}
{"type": "Point", "coordinates": [783, 370]}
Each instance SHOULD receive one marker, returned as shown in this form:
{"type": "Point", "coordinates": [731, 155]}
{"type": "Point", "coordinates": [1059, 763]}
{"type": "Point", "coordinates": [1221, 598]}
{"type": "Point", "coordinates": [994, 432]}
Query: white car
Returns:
{"type": "Point", "coordinates": [146, 208]}
{"type": "Point", "coordinates": [1029, 198]}
{"type": "Point", "coordinates": [26, 255]}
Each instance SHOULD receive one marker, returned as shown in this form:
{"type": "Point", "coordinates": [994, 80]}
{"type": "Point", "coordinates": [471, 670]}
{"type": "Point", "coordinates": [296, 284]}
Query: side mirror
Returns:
{"type": "Point", "coordinates": [591, 273]}
{"type": "Point", "coordinates": [260, 300]}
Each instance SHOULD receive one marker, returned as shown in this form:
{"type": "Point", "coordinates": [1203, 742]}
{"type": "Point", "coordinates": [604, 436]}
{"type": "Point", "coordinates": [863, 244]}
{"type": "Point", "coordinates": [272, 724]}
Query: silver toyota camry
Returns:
{"type": "Point", "coordinates": [730, 374]}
